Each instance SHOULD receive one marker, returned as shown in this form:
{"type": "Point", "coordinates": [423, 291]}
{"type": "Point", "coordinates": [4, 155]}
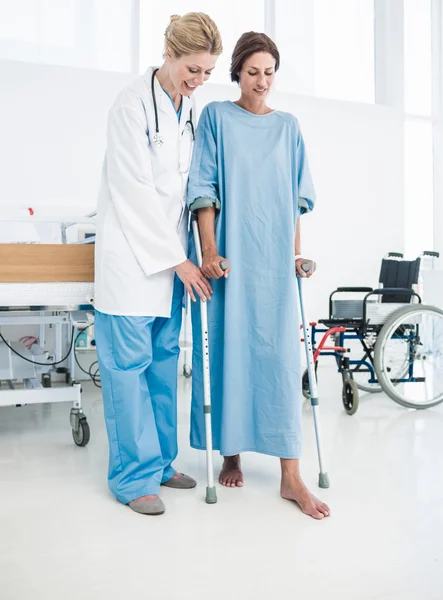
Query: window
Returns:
{"type": "Point", "coordinates": [231, 16]}
{"type": "Point", "coordinates": [417, 57]}
{"type": "Point", "coordinates": [418, 187]}
{"type": "Point", "coordinates": [94, 34]}
{"type": "Point", "coordinates": [419, 124]}
{"type": "Point", "coordinates": [327, 48]}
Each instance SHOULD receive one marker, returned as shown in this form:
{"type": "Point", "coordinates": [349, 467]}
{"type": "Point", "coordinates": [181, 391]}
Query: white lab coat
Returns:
{"type": "Point", "coordinates": [142, 218]}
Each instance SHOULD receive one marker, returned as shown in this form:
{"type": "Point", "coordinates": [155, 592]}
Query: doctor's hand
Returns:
{"type": "Point", "coordinates": [211, 266]}
{"type": "Point", "coordinates": [194, 279]}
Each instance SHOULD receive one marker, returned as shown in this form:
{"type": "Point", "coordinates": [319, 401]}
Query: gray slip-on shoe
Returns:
{"type": "Point", "coordinates": [184, 482]}
{"type": "Point", "coordinates": [148, 507]}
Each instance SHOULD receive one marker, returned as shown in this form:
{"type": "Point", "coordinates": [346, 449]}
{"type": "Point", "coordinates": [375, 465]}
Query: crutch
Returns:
{"type": "Point", "coordinates": [211, 494]}
{"type": "Point", "coordinates": [323, 480]}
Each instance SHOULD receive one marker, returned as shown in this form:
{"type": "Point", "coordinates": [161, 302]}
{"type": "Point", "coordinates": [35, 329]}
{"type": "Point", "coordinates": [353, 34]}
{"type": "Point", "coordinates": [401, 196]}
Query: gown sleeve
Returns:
{"type": "Point", "coordinates": [203, 190]}
{"type": "Point", "coordinates": [306, 193]}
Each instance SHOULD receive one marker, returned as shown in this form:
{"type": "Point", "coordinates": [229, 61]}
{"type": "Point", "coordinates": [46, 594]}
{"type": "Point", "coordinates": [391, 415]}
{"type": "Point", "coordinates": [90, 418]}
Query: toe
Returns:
{"type": "Point", "coordinates": [324, 508]}
{"type": "Point", "coordinates": [239, 483]}
{"type": "Point", "coordinates": [317, 515]}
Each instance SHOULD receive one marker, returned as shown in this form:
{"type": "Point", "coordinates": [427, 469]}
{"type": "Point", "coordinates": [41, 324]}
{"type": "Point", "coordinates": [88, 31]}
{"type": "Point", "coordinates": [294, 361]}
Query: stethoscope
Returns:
{"type": "Point", "coordinates": [157, 138]}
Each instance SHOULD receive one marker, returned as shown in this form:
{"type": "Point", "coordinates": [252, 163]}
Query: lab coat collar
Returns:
{"type": "Point", "coordinates": [164, 104]}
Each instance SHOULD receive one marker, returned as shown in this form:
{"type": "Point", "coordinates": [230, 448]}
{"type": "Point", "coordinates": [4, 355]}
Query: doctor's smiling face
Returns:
{"type": "Point", "coordinates": [190, 71]}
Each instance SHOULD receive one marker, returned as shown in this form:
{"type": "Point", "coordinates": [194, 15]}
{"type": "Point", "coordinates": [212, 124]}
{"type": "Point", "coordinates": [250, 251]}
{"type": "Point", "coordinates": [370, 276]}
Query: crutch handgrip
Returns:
{"type": "Point", "coordinates": [308, 265]}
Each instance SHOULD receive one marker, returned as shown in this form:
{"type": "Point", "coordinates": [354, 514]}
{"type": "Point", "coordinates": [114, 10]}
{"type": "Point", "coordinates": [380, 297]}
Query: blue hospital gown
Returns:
{"type": "Point", "coordinates": [254, 169]}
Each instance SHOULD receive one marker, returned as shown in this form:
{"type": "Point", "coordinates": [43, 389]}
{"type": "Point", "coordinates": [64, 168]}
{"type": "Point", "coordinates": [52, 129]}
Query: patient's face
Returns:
{"type": "Point", "coordinates": [257, 75]}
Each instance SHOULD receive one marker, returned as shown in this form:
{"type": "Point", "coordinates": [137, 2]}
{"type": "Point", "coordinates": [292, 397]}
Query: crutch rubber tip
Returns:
{"type": "Point", "coordinates": [323, 481]}
{"type": "Point", "coordinates": [211, 495]}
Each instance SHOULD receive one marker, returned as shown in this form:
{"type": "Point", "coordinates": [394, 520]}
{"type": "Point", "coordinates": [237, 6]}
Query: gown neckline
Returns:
{"type": "Point", "coordinates": [247, 112]}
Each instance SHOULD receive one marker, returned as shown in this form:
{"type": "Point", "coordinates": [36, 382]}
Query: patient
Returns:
{"type": "Point", "coordinates": [249, 184]}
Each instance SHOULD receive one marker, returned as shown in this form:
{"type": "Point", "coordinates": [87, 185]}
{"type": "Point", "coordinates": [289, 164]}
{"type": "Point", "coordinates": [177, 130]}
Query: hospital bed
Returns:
{"type": "Point", "coordinates": [49, 286]}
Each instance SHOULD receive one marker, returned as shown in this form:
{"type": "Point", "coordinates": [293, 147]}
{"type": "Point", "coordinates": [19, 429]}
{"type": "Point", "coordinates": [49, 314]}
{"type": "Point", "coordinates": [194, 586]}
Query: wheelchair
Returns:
{"type": "Point", "coordinates": [397, 340]}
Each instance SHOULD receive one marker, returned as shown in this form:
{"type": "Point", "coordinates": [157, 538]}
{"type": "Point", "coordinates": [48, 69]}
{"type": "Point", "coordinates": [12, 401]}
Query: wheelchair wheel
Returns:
{"type": "Point", "coordinates": [350, 396]}
{"type": "Point", "coordinates": [408, 356]}
{"type": "Point", "coordinates": [361, 379]}
{"type": "Point", "coordinates": [360, 376]}
{"type": "Point", "coordinates": [305, 383]}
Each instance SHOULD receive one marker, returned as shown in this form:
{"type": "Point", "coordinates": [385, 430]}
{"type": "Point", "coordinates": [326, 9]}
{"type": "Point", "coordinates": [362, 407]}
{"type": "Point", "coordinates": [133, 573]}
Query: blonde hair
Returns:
{"type": "Point", "coordinates": [192, 33]}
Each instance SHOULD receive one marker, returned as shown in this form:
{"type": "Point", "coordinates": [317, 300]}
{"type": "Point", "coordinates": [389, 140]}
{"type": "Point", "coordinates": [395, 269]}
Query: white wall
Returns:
{"type": "Point", "coordinates": [53, 126]}
{"type": "Point", "coordinates": [53, 121]}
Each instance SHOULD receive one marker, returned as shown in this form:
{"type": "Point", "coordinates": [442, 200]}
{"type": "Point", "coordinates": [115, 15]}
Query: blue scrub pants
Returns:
{"type": "Point", "coordinates": [138, 359]}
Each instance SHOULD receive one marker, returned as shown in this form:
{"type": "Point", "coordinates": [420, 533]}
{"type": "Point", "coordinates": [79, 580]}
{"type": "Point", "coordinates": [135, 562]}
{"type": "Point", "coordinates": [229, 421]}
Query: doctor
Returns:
{"type": "Point", "coordinates": [141, 263]}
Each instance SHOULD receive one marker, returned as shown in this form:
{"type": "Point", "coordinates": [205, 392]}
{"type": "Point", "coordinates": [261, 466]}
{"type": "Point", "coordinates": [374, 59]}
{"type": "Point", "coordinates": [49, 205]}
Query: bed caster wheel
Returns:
{"type": "Point", "coordinates": [80, 427]}
{"type": "Point", "coordinates": [82, 435]}
{"type": "Point", "coordinates": [350, 396]}
{"type": "Point", "coordinates": [46, 380]}
{"type": "Point", "coordinates": [187, 371]}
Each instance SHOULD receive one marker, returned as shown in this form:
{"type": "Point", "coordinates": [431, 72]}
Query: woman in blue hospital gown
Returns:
{"type": "Point", "coordinates": [249, 182]}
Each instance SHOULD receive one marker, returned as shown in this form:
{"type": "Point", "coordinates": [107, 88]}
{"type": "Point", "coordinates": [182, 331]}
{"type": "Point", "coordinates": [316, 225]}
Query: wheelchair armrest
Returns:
{"type": "Point", "coordinates": [386, 291]}
{"type": "Point", "coordinates": [354, 289]}
{"type": "Point", "coordinates": [340, 290]}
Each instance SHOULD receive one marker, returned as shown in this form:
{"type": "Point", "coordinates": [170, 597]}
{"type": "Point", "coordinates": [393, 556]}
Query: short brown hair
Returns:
{"type": "Point", "coordinates": [250, 43]}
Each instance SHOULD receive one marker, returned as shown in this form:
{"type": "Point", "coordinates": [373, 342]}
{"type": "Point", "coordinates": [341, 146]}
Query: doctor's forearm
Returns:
{"type": "Point", "coordinates": [297, 245]}
{"type": "Point", "coordinates": [206, 225]}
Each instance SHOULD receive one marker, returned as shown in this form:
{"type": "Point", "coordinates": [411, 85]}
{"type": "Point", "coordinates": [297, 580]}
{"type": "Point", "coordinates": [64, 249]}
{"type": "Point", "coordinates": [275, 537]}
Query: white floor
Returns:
{"type": "Point", "coordinates": [63, 536]}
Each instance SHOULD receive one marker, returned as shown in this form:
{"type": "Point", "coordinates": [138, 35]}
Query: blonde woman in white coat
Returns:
{"type": "Point", "coordinates": [142, 266]}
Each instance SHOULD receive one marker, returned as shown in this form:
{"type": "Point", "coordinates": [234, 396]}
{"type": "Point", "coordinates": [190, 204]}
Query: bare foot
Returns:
{"type": "Point", "coordinates": [231, 474]}
{"type": "Point", "coordinates": [293, 488]}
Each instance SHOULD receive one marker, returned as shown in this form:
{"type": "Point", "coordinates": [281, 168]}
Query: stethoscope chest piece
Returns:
{"type": "Point", "coordinates": [158, 140]}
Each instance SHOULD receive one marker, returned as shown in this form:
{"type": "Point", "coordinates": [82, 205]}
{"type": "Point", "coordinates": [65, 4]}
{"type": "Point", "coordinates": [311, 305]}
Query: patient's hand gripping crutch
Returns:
{"type": "Point", "coordinates": [323, 481]}
{"type": "Point", "coordinates": [211, 494]}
